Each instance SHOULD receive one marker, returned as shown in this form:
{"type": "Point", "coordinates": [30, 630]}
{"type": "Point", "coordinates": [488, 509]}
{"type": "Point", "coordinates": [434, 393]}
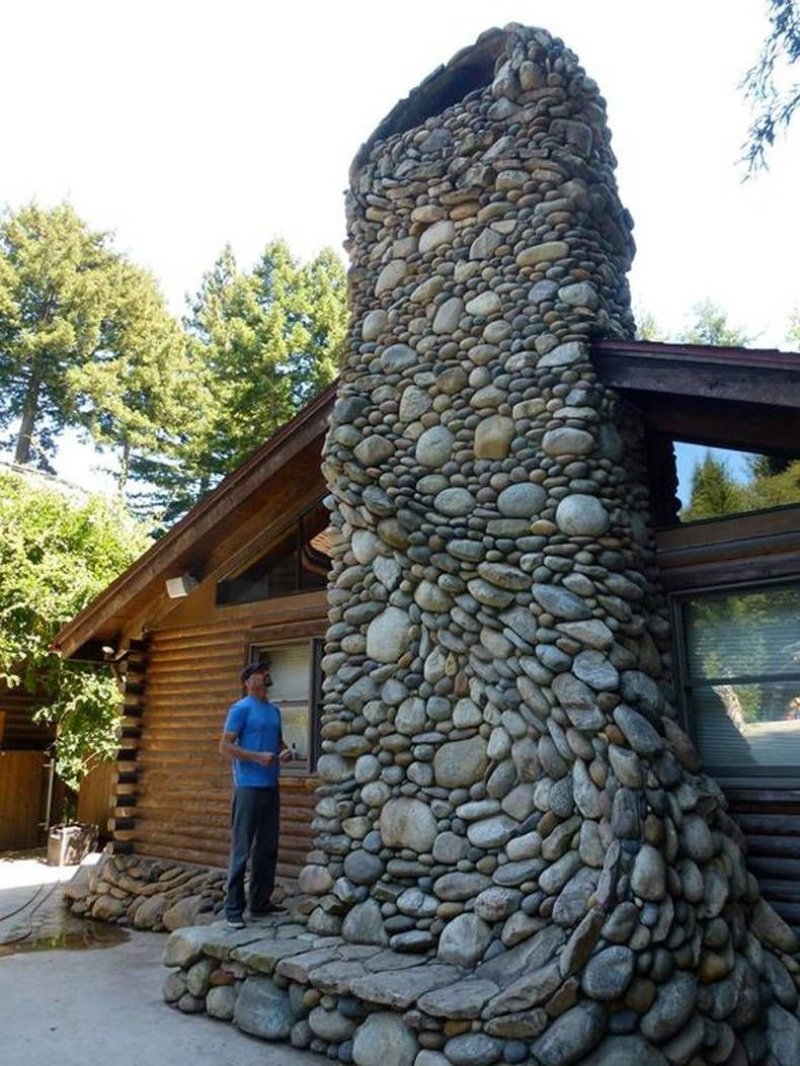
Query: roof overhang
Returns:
{"type": "Point", "coordinates": [192, 542]}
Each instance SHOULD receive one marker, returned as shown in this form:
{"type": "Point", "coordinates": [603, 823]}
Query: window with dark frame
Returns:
{"type": "Point", "coordinates": [740, 666]}
{"type": "Point", "coordinates": [298, 562]}
{"type": "Point", "coordinates": [295, 669]}
{"type": "Point", "coordinates": [711, 481]}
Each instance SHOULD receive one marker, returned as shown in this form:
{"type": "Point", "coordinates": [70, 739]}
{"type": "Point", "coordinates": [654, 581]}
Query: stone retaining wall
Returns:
{"type": "Point", "coordinates": [147, 893]}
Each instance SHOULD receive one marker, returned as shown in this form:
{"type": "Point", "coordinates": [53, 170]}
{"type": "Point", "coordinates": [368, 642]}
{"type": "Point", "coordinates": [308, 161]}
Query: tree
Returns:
{"type": "Point", "coordinates": [85, 339]}
{"type": "Point", "coordinates": [763, 84]}
{"type": "Point", "coordinates": [714, 492]}
{"type": "Point", "coordinates": [267, 342]}
{"type": "Point", "coordinates": [710, 327]}
{"type": "Point", "coordinates": [56, 554]}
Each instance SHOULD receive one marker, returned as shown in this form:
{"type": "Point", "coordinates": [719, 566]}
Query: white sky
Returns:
{"type": "Point", "coordinates": [185, 124]}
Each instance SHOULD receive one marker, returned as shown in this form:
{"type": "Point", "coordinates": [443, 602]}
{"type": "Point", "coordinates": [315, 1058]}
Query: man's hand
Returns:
{"type": "Point", "coordinates": [266, 758]}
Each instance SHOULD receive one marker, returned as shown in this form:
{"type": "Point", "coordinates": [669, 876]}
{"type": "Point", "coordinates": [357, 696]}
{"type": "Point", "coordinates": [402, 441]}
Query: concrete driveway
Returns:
{"type": "Point", "coordinates": [80, 1006]}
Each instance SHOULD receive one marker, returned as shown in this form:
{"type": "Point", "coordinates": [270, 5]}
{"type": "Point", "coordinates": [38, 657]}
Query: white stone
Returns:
{"type": "Point", "coordinates": [484, 304]}
{"type": "Point", "coordinates": [365, 546]}
{"type": "Point", "coordinates": [448, 316]}
{"type": "Point", "coordinates": [391, 275]}
{"type": "Point", "coordinates": [434, 447]}
{"type": "Point", "coordinates": [441, 232]}
{"type": "Point", "coordinates": [374, 324]}
{"type": "Point", "coordinates": [388, 635]}
{"type": "Point", "coordinates": [407, 823]}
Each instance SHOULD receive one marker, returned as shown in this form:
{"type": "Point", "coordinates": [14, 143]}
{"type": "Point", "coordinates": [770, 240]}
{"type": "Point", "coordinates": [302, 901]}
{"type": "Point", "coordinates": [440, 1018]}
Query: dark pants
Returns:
{"type": "Point", "coordinates": [255, 822]}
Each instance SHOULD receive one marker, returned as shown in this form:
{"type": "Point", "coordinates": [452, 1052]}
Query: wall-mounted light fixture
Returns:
{"type": "Point", "coordinates": [177, 587]}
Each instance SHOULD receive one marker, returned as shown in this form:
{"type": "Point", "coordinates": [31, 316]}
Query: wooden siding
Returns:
{"type": "Point", "coordinates": [95, 797]}
{"type": "Point", "coordinates": [22, 797]}
{"type": "Point", "coordinates": [770, 821]}
{"type": "Point", "coordinates": [21, 733]}
{"type": "Point", "coordinates": [177, 804]}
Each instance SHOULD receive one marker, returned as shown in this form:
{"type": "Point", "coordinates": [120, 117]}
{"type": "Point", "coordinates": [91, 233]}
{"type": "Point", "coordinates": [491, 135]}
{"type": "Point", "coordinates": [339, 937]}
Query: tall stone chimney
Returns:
{"type": "Point", "coordinates": [506, 788]}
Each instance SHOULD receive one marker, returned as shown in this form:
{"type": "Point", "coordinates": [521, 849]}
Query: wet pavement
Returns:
{"type": "Point", "coordinates": [64, 1005]}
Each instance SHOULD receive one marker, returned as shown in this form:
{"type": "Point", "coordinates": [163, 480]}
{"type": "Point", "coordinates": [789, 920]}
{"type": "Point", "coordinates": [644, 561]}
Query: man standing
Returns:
{"type": "Point", "coordinates": [252, 739]}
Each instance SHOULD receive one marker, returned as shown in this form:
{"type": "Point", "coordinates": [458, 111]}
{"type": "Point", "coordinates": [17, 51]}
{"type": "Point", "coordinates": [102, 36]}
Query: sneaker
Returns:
{"type": "Point", "coordinates": [232, 924]}
{"type": "Point", "coordinates": [268, 911]}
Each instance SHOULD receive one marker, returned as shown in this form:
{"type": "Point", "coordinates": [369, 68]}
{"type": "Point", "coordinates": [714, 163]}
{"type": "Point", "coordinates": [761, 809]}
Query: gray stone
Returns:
{"type": "Point", "coordinates": [330, 1025]}
{"type": "Point", "coordinates": [448, 316]}
{"type": "Point", "coordinates": [783, 1036]}
{"type": "Point", "coordinates": [485, 304]}
{"type": "Point", "coordinates": [362, 868]}
{"type": "Point", "coordinates": [434, 446]}
{"type": "Point", "coordinates": [221, 1002]}
{"type": "Point", "coordinates": [263, 1010]}
{"type": "Point", "coordinates": [521, 501]}
{"type": "Point", "coordinates": [398, 988]}
{"type": "Point", "coordinates": [492, 832]}
{"type": "Point", "coordinates": [570, 1036]}
{"type": "Point", "coordinates": [582, 516]}
{"type": "Point", "coordinates": [527, 991]}
{"type": "Point", "coordinates": [460, 886]}
{"type": "Point", "coordinates": [594, 668]}
{"type": "Point", "coordinates": [567, 441]}
{"type": "Point", "coordinates": [580, 294]}
{"type": "Point", "coordinates": [464, 940]}
{"type": "Point", "coordinates": [473, 1049]}
{"type": "Point", "coordinates": [671, 1009]}
{"type": "Point", "coordinates": [625, 1051]}
{"type": "Point", "coordinates": [566, 354]}
{"type": "Point", "coordinates": [465, 999]}
{"type": "Point", "coordinates": [608, 974]}
{"type": "Point", "coordinates": [641, 736]}
{"type": "Point", "coordinates": [384, 1040]}
{"type": "Point", "coordinates": [460, 763]}
{"type": "Point", "coordinates": [649, 876]}
{"type": "Point", "coordinates": [454, 502]}
{"type": "Point", "coordinates": [561, 602]}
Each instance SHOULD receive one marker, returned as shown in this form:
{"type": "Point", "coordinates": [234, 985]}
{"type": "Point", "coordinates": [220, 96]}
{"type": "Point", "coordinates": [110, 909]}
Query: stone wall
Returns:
{"type": "Point", "coordinates": [506, 788]}
{"type": "Point", "coordinates": [147, 893]}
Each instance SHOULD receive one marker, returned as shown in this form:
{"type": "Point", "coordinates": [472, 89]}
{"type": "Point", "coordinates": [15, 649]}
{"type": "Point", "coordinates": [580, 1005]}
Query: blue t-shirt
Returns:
{"type": "Point", "coordinates": [257, 725]}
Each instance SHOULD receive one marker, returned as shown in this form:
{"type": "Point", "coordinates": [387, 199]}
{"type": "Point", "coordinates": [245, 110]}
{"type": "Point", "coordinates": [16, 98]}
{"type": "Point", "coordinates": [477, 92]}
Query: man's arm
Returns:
{"type": "Point", "coordinates": [229, 747]}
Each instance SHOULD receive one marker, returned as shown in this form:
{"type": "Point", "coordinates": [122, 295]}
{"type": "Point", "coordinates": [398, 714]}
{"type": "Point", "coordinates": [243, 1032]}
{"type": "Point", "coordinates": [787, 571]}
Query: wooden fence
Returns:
{"type": "Point", "coordinates": [23, 795]}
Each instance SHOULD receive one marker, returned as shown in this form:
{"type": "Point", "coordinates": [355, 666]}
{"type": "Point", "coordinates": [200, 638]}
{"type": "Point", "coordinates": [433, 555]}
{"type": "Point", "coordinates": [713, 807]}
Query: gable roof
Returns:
{"type": "Point", "coordinates": [211, 529]}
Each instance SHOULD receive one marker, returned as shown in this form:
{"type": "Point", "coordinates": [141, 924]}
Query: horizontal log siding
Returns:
{"type": "Point", "coordinates": [770, 821]}
{"type": "Point", "coordinates": [180, 808]}
{"type": "Point", "coordinates": [21, 732]}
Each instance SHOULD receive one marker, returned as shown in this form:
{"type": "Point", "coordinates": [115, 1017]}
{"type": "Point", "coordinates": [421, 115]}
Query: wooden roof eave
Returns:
{"type": "Point", "coordinates": [141, 587]}
{"type": "Point", "coordinates": [701, 372]}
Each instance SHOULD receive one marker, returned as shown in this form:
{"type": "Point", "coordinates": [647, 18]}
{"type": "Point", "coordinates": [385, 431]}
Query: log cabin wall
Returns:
{"type": "Point", "coordinates": [174, 794]}
{"type": "Point", "coordinates": [746, 551]}
{"type": "Point", "coordinates": [20, 732]}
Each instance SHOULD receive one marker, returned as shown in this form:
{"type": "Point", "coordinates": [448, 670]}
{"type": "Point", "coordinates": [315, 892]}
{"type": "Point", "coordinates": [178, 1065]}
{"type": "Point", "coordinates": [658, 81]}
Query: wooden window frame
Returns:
{"type": "Point", "coordinates": [260, 648]}
{"type": "Point", "coordinates": [779, 778]}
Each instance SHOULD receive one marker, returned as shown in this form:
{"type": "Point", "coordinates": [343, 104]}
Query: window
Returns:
{"type": "Point", "coordinates": [299, 562]}
{"type": "Point", "coordinates": [714, 482]}
{"type": "Point", "coordinates": [295, 670]}
{"type": "Point", "coordinates": [741, 667]}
